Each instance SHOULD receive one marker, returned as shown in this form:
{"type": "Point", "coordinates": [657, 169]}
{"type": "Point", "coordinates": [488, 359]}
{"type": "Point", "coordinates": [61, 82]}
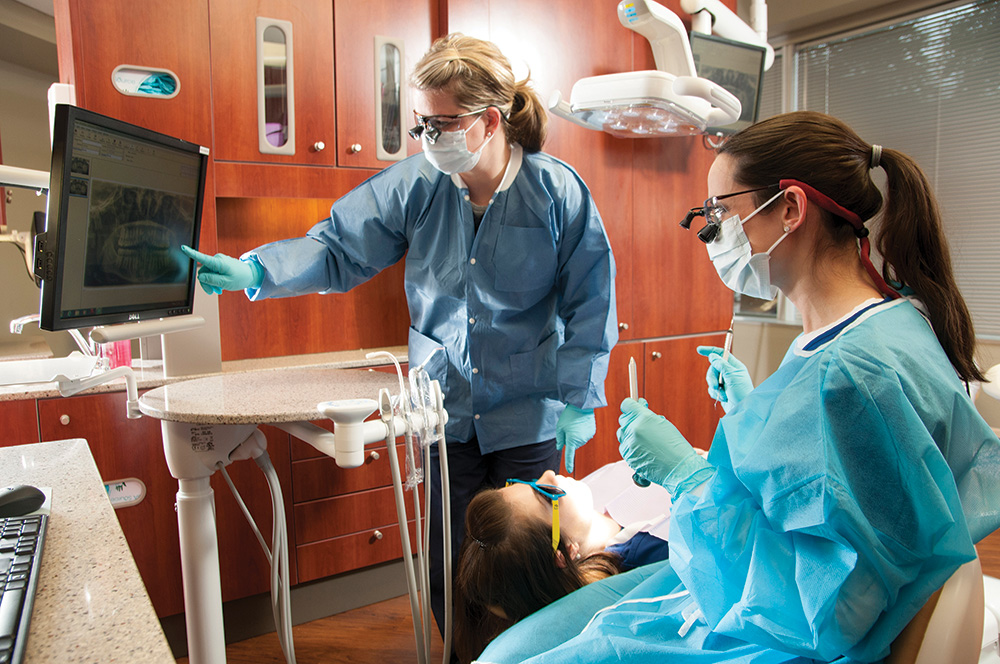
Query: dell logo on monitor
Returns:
{"type": "Point", "coordinates": [133, 316]}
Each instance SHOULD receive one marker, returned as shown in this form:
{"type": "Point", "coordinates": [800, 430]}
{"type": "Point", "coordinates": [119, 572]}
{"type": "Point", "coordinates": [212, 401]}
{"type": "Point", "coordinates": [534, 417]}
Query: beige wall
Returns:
{"type": "Point", "coordinates": [24, 140]}
{"type": "Point", "coordinates": [762, 345]}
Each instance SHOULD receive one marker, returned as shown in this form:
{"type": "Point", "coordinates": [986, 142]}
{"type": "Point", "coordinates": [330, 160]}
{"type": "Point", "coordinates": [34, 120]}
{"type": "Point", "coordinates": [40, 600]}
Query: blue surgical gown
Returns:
{"type": "Point", "coordinates": [524, 307]}
{"type": "Point", "coordinates": [848, 487]}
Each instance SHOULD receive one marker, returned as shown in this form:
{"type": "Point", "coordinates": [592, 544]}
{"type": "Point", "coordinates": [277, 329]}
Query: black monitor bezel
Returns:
{"type": "Point", "coordinates": [51, 246]}
{"type": "Point", "coordinates": [740, 123]}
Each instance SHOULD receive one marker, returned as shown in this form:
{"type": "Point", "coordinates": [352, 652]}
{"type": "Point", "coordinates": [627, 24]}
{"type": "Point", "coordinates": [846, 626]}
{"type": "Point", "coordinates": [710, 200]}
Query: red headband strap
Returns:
{"type": "Point", "coordinates": [834, 208]}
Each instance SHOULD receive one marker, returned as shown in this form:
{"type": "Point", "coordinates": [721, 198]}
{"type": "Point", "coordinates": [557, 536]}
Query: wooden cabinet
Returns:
{"type": "Point", "coordinates": [234, 79]}
{"type": "Point", "coordinates": [356, 26]}
{"type": "Point", "coordinates": [20, 422]}
{"type": "Point", "coordinates": [671, 377]}
{"type": "Point", "coordinates": [345, 518]}
{"type": "Point", "coordinates": [333, 49]}
{"type": "Point", "coordinates": [126, 449]}
{"type": "Point", "coordinates": [373, 315]}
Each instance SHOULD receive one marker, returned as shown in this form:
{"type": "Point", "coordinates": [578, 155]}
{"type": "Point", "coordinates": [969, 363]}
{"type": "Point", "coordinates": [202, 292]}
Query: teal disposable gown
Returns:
{"type": "Point", "coordinates": [524, 307]}
{"type": "Point", "coordinates": [849, 486]}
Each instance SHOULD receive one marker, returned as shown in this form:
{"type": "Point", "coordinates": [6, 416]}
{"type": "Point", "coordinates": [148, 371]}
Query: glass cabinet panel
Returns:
{"type": "Point", "coordinates": [275, 87]}
{"type": "Point", "coordinates": [389, 86]}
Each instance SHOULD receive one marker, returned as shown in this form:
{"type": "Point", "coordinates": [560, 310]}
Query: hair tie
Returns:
{"type": "Point", "coordinates": [482, 544]}
{"type": "Point", "coordinates": [876, 156]}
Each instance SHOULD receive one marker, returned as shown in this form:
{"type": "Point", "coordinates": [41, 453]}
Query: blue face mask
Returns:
{"type": "Point", "coordinates": [739, 268]}
{"type": "Point", "coordinates": [450, 153]}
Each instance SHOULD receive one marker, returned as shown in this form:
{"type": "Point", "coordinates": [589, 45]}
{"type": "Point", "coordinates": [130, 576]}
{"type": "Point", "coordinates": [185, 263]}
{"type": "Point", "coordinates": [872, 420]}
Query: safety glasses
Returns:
{"type": "Point", "coordinates": [432, 125]}
{"type": "Point", "coordinates": [713, 214]}
{"type": "Point", "coordinates": [552, 493]}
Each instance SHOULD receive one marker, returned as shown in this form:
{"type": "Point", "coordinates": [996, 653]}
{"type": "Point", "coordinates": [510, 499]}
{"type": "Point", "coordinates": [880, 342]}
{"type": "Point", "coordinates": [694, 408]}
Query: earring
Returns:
{"type": "Point", "coordinates": [788, 228]}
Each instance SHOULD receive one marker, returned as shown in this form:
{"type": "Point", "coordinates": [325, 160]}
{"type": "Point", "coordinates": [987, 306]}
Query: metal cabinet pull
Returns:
{"type": "Point", "coordinates": [656, 355]}
{"type": "Point", "coordinates": [355, 148]}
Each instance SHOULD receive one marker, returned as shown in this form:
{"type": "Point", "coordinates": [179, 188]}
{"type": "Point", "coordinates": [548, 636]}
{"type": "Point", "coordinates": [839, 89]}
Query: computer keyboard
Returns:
{"type": "Point", "coordinates": [21, 543]}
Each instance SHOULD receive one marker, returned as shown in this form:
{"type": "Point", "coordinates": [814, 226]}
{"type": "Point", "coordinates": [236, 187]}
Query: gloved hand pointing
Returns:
{"type": "Point", "coordinates": [220, 272]}
{"type": "Point", "coordinates": [654, 448]}
{"type": "Point", "coordinates": [574, 428]}
{"type": "Point", "coordinates": [728, 380]}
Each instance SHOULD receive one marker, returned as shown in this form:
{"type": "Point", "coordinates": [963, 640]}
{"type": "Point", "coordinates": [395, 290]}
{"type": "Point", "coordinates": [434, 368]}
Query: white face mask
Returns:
{"type": "Point", "coordinates": [450, 153]}
{"type": "Point", "coordinates": [740, 269]}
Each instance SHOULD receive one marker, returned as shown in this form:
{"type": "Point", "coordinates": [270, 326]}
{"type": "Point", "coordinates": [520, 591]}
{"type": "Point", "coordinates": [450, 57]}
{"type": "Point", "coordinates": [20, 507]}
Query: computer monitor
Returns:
{"type": "Point", "coordinates": [122, 200]}
{"type": "Point", "coordinates": [736, 66]}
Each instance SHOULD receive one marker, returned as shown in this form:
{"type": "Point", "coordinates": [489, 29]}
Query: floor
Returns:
{"type": "Point", "coordinates": [375, 634]}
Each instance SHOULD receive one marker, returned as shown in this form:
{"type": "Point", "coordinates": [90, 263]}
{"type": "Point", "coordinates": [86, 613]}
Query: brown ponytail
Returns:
{"type": "Point", "coordinates": [825, 153]}
{"type": "Point", "coordinates": [478, 75]}
{"type": "Point", "coordinates": [912, 242]}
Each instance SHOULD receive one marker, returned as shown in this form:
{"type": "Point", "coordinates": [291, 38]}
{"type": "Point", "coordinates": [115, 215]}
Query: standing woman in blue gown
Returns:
{"type": "Point", "coordinates": [508, 271]}
{"type": "Point", "coordinates": [847, 487]}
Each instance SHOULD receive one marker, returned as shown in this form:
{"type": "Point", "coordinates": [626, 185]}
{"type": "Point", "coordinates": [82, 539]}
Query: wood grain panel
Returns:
{"type": "Point", "coordinates": [543, 39]}
{"type": "Point", "coordinates": [675, 386]}
{"type": "Point", "coordinates": [321, 477]}
{"type": "Point", "coordinates": [355, 26]}
{"type": "Point", "coordinates": [989, 554]}
{"type": "Point", "coordinates": [124, 448]}
{"type": "Point", "coordinates": [603, 449]}
{"type": "Point", "coordinates": [370, 316]}
{"type": "Point", "coordinates": [244, 180]}
{"type": "Point", "coordinates": [234, 78]}
{"type": "Point", "coordinates": [243, 567]}
{"type": "Point", "coordinates": [677, 289]}
{"type": "Point", "coordinates": [343, 554]}
{"type": "Point", "coordinates": [95, 37]}
{"type": "Point", "coordinates": [20, 422]}
{"type": "Point", "coordinates": [342, 515]}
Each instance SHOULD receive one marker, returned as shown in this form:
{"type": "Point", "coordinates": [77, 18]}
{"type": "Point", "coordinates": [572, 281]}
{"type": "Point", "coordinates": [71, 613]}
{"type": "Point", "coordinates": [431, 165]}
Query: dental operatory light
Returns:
{"type": "Point", "coordinates": [671, 100]}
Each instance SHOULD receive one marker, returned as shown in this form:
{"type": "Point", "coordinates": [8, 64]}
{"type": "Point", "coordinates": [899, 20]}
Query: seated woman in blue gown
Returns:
{"type": "Point", "coordinates": [847, 487]}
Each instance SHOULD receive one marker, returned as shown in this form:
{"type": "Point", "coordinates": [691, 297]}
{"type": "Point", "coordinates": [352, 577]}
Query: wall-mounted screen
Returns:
{"type": "Point", "coordinates": [122, 201]}
{"type": "Point", "coordinates": [736, 66]}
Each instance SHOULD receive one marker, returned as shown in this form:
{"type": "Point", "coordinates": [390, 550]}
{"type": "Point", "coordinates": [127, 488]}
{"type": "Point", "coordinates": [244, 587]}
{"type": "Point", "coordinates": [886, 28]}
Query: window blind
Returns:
{"type": "Point", "coordinates": [930, 87]}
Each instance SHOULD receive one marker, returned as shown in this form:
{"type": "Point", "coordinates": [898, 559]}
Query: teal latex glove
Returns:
{"type": "Point", "coordinates": [220, 272]}
{"type": "Point", "coordinates": [728, 380]}
{"type": "Point", "coordinates": [654, 448]}
{"type": "Point", "coordinates": [574, 428]}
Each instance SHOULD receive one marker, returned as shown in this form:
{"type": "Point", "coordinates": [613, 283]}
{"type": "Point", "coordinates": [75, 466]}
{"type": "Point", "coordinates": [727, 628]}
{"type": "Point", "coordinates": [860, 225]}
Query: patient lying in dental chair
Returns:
{"type": "Point", "coordinates": [513, 563]}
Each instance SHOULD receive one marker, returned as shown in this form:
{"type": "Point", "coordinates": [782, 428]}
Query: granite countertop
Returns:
{"type": "Point", "coordinates": [149, 374]}
{"type": "Point", "coordinates": [91, 604]}
{"type": "Point", "coordinates": [252, 397]}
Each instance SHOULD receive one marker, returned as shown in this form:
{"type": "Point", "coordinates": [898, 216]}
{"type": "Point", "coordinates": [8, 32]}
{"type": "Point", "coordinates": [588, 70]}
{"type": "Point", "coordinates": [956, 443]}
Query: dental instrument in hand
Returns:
{"type": "Point", "coordinates": [633, 392]}
{"type": "Point", "coordinates": [726, 347]}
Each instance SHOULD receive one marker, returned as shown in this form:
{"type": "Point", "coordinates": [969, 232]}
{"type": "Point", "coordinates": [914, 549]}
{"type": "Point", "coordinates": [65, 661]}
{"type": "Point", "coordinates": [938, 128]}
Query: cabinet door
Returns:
{"type": "Point", "coordinates": [356, 24]}
{"type": "Point", "coordinates": [234, 79]}
{"type": "Point", "coordinates": [20, 422]}
{"type": "Point", "coordinates": [675, 386]}
{"type": "Point", "coordinates": [603, 449]}
{"type": "Point", "coordinates": [123, 449]}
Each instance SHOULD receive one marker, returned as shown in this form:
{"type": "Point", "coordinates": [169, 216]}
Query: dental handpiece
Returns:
{"type": "Point", "coordinates": [633, 392]}
{"type": "Point", "coordinates": [726, 347]}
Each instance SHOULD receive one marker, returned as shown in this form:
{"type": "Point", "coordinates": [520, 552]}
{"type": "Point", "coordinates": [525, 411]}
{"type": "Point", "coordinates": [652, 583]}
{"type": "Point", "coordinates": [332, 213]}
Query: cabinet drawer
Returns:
{"type": "Point", "coordinates": [321, 477]}
{"type": "Point", "coordinates": [350, 552]}
{"type": "Point", "coordinates": [351, 513]}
